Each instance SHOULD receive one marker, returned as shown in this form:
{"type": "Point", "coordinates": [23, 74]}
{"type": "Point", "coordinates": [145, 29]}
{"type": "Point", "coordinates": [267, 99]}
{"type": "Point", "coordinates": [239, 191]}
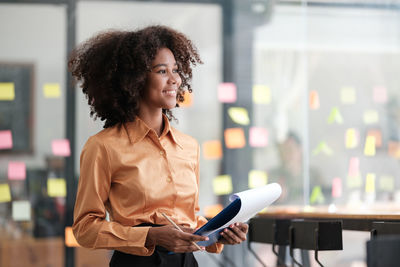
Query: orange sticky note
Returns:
{"type": "Point", "coordinates": [370, 183]}
{"type": "Point", "coordinates": [5, 194]}
{"type": "Point", "coordinates": [378, 136]}
{"type": "Point", "coordinates": [314, 100]}
{"type": "Point", "coordinates": [380, 94]}
{"type": "Point", "coordinates": [336, 187]}
{"type": "Point", "coordinates": [394, 149]}
{"type": "Point", "coordinates": [16, 170]}
{"type": "Point", "coordinates": [234, 138]}
{"type": "Point", "coordinates": [212, 149]}
{"type": "Point", "coordinates": [369, 149]}
{"type": "Point", "coordinates": [70, 240]}
{"type": "Point", "coordinates": [188, 100]}
{"type": "Point", "coordinates": [6, 139]}
{"type": "Point", "coordinates": [258, 137]}
{"type": "Point", "coordinates": [227, 92]}
{"type": "Point", "coordinates": [212, 210]}
{"type": "Point", "coordinates": [60, 147]}
{"type": "Point", "coordinates": [352, 138]}
{"type": "Point", "coordinates": [222, 185]}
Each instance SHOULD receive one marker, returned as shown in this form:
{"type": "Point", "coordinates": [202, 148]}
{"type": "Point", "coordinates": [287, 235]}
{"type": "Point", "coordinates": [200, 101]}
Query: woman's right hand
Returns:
{"type": "Point", "coordinates": [174, 240]}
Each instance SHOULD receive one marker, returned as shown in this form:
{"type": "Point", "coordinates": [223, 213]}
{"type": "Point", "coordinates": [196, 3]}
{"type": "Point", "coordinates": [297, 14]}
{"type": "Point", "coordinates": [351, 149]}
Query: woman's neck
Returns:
{"type": "Point", "coordinates": [153, 119]}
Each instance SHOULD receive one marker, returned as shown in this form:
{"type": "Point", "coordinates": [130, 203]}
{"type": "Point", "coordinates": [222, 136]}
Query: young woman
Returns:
{"type": "Point", "coordinates": [139, 166]}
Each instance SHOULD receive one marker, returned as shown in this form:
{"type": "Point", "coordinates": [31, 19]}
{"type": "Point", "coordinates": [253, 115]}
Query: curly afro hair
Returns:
{"type": "Point", "coordinates": [113, 67]}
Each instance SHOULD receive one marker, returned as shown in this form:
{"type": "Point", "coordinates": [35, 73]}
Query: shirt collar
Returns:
{"type": "Point", "coordinates": [138, 129]}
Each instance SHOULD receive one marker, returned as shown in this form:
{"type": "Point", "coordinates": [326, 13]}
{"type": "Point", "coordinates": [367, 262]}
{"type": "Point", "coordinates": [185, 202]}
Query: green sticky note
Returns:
{"type": "Point", "coordinates": [354, 181]}
{"type": "Point", "coordinates": [316, 196]}
{"type": "Point", "coordinates": [222, 185]}
{"type": "Point", "coordinates": [239, 115]}
{"type": "Point", "coordinates": [322, 148]}
{"type": "Point", "coordinates": [257, 178]}
{"type": "Point", "coordinates": [386, 183]}
{"type": "Point", "coordinates": [335, 116]}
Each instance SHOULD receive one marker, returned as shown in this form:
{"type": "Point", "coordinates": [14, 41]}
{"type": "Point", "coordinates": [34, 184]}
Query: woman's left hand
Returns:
{"type": "Point", "coordinates": [236, 234]}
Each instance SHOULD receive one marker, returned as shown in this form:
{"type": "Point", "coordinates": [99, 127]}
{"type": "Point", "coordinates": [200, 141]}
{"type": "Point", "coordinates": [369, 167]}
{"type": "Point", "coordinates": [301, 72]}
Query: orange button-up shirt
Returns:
{"type": "Point", "coordinates": [135, 175]}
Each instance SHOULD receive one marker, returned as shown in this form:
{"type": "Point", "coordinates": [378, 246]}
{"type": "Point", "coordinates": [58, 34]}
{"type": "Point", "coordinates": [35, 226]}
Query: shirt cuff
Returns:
{"type": "Point", "coordinates": [137, 238]}
{"type": "Point", "coordinates": [215, 248]}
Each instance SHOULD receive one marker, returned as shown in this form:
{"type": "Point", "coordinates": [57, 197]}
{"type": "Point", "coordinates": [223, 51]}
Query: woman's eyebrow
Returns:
{"type": "Point", "coordinates": [162, 65]}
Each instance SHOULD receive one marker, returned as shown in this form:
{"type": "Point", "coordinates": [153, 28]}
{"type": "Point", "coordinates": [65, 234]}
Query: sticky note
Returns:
{"type": "Point", "coordinates": [394, 149]}
{"type": "Point", "coordinates": [16, 170]}
{"type": "Point", "coordinates": [7, 91]}
{"type": "Point", "coordinates": [354, 167]}
{"type": "Point", "coordinates": [370, 116]}
{"type": "Point", "coordinates": [6, 139]}
{"type": "Point", "coordinates": [212, 210]}
{"type": "Point", "coordinates": [60, 147]}
{"type": "Point", "coordinates": [370, 183]}
{"type": "Point", "coordinates": [380, 94]}
{"type": "Point", "coordinates": [212, 149]}
{"type": "Point", "coordinates": [257, 178]}
{"type": "Point", "coordinates": [386, 183]}
{"type": "Point", "coordinates": [5, 194]}
{"type": "Point", "coordinates": [222, 185]}
{"type": "Point", "coordinates": [378, 136]}
{"type": "Point", "coordinates": [56, 187]}
{"type": "Point", "coordinates": [352, 138]}
{"type": "Point", "coordinates": [258, 137]}
{"type": "Point", "coordinates": [348, 95]}
{"type": "Point", "coordinates": [322, 148]}
{"type": "Point", "coordinates": [239, 115]}
{"type": "Point", "coordinates": [316, 196]}
{"type": "Point", "coordinates": [70, 240]}
{"type": "Point", "coordinates": [227, 92]}
{"type": "Point", "coordinates": [21, 210]}
{"type": "Point", "coordinates": [335, 116]}
{"type": "Point", "coordinates": [314, 100]}
{"type": "Point", "coordinates": [354, 181]}
{"type": "Point", "coordinates": [188, 99]}
{"type": "Point", "coordinates": [261, 94]}
{"type": "Point", "coordinates": [336, 187]}
{"type": "Point", "coordinates": [369, 148]}
{"type": "Point", "coordinates": [234, 138]}
{"type": "Point", "coordinates": [51, 90]}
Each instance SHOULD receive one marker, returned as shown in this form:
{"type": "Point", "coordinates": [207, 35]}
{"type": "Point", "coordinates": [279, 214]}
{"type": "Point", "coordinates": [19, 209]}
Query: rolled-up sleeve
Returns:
{"type": "Point", "coordinates": [90, 226]}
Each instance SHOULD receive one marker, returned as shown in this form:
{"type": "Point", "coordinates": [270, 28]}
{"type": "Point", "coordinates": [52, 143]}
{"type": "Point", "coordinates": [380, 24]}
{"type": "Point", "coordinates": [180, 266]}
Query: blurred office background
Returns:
{"type": "Point", "coordinates": [303, 93]}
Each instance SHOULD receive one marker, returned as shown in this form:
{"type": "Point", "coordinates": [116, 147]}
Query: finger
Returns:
{"type": "Point", "coordinates": [230, 236]}
{"type": "Point", "coordinates": [192, 237]}
{"type": "Point", "coordinates": [226, 239]}
{"type": "Point", "coordinates": [236, 234]}
{"type": "Point", "coordinates": [188, 230]}
{"type": "Point", "coordinates": [244, 227]}
{"type": "Point", "coordinates": [239, 232]}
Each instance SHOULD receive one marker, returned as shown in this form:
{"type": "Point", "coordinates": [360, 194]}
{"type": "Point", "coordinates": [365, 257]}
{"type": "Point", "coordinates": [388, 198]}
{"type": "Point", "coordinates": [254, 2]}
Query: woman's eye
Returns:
{"type": "Point", "coordinates": [162, 71]}
{"type": "Point", "coordinates": [175, 71]}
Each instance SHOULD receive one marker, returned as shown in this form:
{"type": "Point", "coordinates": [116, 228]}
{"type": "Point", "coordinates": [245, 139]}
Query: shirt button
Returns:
{"type": "Point", "coordinates": [161, 152]}
{"type": "Point", "coordinates": [169, 179]}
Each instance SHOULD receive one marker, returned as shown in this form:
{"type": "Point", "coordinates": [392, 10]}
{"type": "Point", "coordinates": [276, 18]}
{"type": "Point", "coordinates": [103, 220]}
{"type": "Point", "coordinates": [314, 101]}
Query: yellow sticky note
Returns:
{"type": "Point", "coordinates": [352, 137]}
{"type": "Point", "coordinates": [335, 116]}
{"type": "Point", "coordinates": [212, 149]}
{"type": "Point", "coordinates": [370, 116]}
{"type": "Point", "coordinates": [369, 149]}
{"type": "Point", "coordinates": [51, 90]}
{"type": "Point", "coordinates": [257, 178]}
{"type": "Point", "coordinates": [222, 185]}
{"type": "Point", "coordinates": [70, 240]}
{"type": "Point", "coordinates": [317, 196]}
{"type": "Point", "coordinates": [386, 183]}
{"type": "Point", "coordinates": [234, 138]}
{"type": "Point", "coordinates": [56, 187]}
{"type": "Point", "coordinates": [314, 100]}
{"type": "Point", "coordinates": [5, 195]}
{"type": "Point", "coordinates": [21, 210]}
{"type": "Point", "coordinates": [239, 115]}
{"type": "Point", "coordinates": [370, 183]}
{"type": "Point", "coordinates": [261, 94]}
{"type": "Point", "coordinates": [7, 91]}
{"type": "Point", "coordinates": [348, 95]}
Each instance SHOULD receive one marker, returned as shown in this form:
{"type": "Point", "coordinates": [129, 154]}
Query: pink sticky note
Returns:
{"type": "Point", "coordinates": [16, 170]}
{"type": "Point", "coordinates": [380, 94]}
{"type": "Point", "coordinates": [6, 139]}
{"type": "Point", "coordinates": [227, 92]}
{"type": "Point", "coordinates": [60, 147]}
{"type": "Point", "coordinates": [354, 167]}
{"type": "Point", "coordinates": [258, 137]}
{"type": "Point", "coordinates": [336, 187]}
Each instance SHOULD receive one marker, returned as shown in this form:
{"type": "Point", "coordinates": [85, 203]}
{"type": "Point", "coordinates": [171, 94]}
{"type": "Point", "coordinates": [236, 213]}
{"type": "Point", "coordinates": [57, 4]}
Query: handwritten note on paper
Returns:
{"type": "Point", "coordinates": [16, 170]}
{"type": "Point", "coordinates": [70, 240]}
{"type": "Point", "coordinates": [188, 99]}
{"type": "Point", "coordinates": [7, 91]}
{"type": "Point", "coordinates": [370, 116]}
{"type": "Point", "coordinates": [212, 149]}
{"type": "Point", "coordinates": [60, 147]}
{"type": "Point", "coordinates": [317, 197]}
{"type": "Point", "coordinates": [51, 90]}
{"type": "Point", "coordinates": [5, 194]}
{"type": "Point", "coordinates": [257, 178]}
{"type": "Point", "coordinates": [239, 115]}
{"type": "Point", "coordinates": [261, 94]}
{"type": "Point", "coordinates": [386, 183]}
{"type": "Point", "coordinates": [348, 95]}
{"type": "Point", "coordinates": [234, 138]}
{"type": "Point", "coordinates": [370, 183]}
{"type": "Point", "coordinates": [352, 138]}
{"type": "Point", "coordinates": [336, 187]}
{"type": "Point", "coordinates": [222, 185]}
{"type": "Point", "coordinates": [258, 137]}
{"type": "Point", "coordinates": [369, 149]}
{"type": "Point", "coordinates": [314, 100]}
{"type": "Point", "coordinates": [6, 139]}
{"type": "Point", "coordinates": [21, 210]}
{"type": "Point", "coordinates": [378, 136]}
{"type": "Point", "coordinates": [227, 92]}
{"type": "Point", "coordinates": [335, 116]}
{"type": "Point", "coordinates": [380, 94]}
{"type": "Point", "coordinates": [56, 187]}
{"type": "Point", "coordinates": [322, 148]}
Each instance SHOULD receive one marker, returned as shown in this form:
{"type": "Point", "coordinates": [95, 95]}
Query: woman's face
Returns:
{"type": "Point", "coordinates": [163, 81]}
